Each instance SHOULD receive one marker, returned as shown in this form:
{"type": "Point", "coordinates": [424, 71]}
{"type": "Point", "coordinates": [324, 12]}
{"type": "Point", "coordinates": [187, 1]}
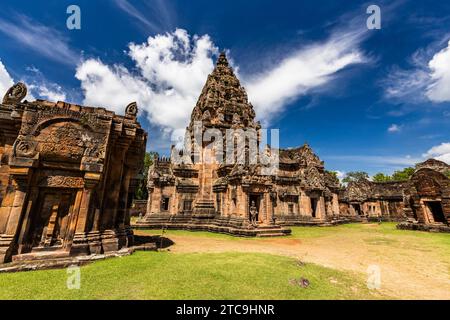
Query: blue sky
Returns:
{"type": "Point", "coordinates": [373, 100]}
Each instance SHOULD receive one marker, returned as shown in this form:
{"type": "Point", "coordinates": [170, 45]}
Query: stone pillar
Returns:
{"type": "Point", "coordinates": [306, 205]}
{"type": "Point", "coordinates": [8, 246]}
{"type": "Point", "coordinates": [321, 212]}
{"type": "Point", "coordinates": [335, 204]}
{"type": "Point", "coordinates": [82, 240]}
{"type": "Point", "coordinates": [149, 201]}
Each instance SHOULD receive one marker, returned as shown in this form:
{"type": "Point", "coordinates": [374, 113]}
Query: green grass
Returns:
{"type": "Point", "coordinates": [165, 275]}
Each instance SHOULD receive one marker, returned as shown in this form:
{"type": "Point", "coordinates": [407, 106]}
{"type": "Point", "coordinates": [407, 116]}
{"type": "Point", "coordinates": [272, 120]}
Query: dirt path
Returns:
{"type": "Point", "coordinates": [408, 270]}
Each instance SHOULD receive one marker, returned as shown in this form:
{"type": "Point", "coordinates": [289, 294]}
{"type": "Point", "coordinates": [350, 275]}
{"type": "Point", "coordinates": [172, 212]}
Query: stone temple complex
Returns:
{"type": "Point", "coordinates": [67, 177]}
{"type": "Point", "coordinates": [237, 198]}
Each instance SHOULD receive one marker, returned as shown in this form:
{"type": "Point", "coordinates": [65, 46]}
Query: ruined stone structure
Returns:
{"type": "Point", "coordinates": [67, 176]}
{"type": "Point", "coordinates": [427, 198]}
{"type": "Point", "coordinates": [366, 199]}
{"type": "Point", "coordinates": [237, 198]}
{"type": "Point", "coordinates": [420, 203]}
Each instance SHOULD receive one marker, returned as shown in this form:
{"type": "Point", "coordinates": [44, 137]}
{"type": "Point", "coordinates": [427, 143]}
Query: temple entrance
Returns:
{"type": "Point", "coordinates": [314, 203]}
{"type": "Point", "coordinates": [435, 208]}
{"type": "Point", "coordinates": [50, 224]}
{"type": "Point", "coordinates": [357, 209]}
{"type": "Point", "coordinates": [254, 198]}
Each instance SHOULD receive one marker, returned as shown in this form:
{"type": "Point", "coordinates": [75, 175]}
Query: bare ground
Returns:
{"type": "Point", "coordinates": [410, 267]}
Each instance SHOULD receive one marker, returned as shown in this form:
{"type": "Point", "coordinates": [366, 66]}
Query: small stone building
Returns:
{"type": "Point", "coordinates": [427, 198]}
{"type": "Point", "coordinates": [225, 197]}
{"type": "Point", "coordinates": [67, 177]}
{"type": "Point", "coordinates": [366, 199]}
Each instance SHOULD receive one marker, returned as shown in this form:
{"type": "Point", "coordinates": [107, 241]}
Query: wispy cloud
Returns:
{"type": "Point", "coordinates": [42, 39]}
{"type": "Point", "coordinates": [378, 161]}
{"type": "Point", "coordinates": [302, 71]}
{"type": "Point", "coordinates": [439, 152]}
{"type": "Point", "coordinates": [152, 15]}
{"type": "Point", "coordinates": [427, 79]}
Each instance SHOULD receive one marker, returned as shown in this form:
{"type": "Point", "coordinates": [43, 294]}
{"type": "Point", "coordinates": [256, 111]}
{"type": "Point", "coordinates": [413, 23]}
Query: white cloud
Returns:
{"type": "Point", "coordinates": [340, 174]}
{"type": "Point", "coordinates": [172, 68]}
{"type": "Point", "coordinates": [52, 92]}
{"type": "Point", "coordinates": [6, 81]}
{"type": "Point", "coordinates": [427, 80]}
{"type": "Point", "coordinates": [394, 128]}
{"type": "Point", "coordinates": [302, 71]}
{"type": "Point", "coordinates": [172, 71]}
{"type": "Point", "coordinates": [39, 38]}
{"type": "Point", "coordinates": [440, 152]}
{"type": "Point", "coordinates": [439, 89]}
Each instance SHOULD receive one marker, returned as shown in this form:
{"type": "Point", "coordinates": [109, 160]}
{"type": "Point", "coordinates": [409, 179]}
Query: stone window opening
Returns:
{"type": "Point", "coordinates": [291, 208]}
{"type": "Point", "coordinates": [219, 202]}
{"type": "Point", "coordinates": [187, 205]}
{"type": "Point", "coordinates": [165, 203]}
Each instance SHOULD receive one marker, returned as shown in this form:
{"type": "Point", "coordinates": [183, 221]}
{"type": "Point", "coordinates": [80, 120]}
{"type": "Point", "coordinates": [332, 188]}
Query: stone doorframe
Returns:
{"type": "Point", "coordinates": [427, 214]}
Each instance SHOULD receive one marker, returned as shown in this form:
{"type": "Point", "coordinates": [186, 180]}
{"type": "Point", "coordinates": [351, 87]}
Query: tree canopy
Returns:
{"type": "Point", "coordinates": [355, 176]}
{"type": "Point", "coordinates": [141, 191]}
{"type": "Point", "coordinates": [399, 175]}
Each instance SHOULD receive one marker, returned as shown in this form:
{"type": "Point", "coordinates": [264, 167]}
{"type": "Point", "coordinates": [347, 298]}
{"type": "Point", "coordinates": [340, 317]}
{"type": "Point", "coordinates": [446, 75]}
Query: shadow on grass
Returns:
{"type": "Point", "coordinates": [161, 242]}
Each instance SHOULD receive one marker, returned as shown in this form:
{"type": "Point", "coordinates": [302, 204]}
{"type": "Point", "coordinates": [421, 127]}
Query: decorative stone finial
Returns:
{"type": "Point", "coordinates": [15, 94]}
{"type": "Point", "coordinates": [131, 110]}
{"type": "Point", "coordinates": [222, 61]}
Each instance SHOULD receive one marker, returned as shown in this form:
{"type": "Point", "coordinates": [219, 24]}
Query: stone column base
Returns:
{"type": "Point", "coordinates": [110, 241]}
{"type": "Point", "coordinates": [7, 248]}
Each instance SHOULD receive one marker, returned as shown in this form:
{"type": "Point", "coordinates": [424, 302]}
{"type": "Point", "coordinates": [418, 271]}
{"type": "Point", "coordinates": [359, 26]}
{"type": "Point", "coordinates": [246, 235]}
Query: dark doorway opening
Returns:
{"type": "Point", "coordinates": [50, 224]}
{"type": "Point", "coordinates": [165, 203]}
{"type": "Point", "coordinates": [357, 208]}
{"type": "Point", "coordinates": [435, 208]}
{"type": "Point", "coordinates": [254, 198]}
{"type": "Point", "coordinates": [314, 203]}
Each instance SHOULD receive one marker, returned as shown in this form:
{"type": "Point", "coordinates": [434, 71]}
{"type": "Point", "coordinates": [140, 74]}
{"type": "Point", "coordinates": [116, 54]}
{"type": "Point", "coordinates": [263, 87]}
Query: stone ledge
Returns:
{"type": "Point", "coordinates": [58, 263]}
{"type": "Point", "coordinates": [423, 227]}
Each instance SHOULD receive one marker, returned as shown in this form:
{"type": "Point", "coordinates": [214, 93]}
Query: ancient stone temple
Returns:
{"type": "Point", "coordinates": [427, 198]}
{"type": "Point", "coordinates": [237, 198]}
{"type": "Point", "coordinates": [67, 177]}
{"type": "Point", "coordinates": [373, 200]}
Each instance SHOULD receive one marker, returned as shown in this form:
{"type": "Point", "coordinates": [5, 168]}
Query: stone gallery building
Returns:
{"type": "Point", "coordinates": [420, 203]}
{"type": "Point", "coordinates": [237, 198]}
{"type": "Point", "coordinates": [427, 198]}
{"type": "Point", "coordinates": [373, 200]}
{"type": "Point", "coordinates": [67, 177]}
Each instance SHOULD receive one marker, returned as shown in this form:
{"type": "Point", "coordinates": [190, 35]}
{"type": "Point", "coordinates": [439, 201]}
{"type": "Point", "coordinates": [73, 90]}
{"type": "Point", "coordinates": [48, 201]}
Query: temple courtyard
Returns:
{"type": "Point", "coordinates": [312, 263]}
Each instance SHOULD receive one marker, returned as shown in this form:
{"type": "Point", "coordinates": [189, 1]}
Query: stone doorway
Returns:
{"type": "Point", "coordinates": [50, 225]}
{"type": "Point", "coordinates": [435, 209]}
{"type": "Point", "coordinates": [314, 205]}
{"type": "Point", "coordinates": [357, 208]}
{"type": "Point", "coordinates": [256, 198]}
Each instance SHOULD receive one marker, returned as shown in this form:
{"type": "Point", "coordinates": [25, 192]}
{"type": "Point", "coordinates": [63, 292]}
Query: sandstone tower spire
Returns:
{"type": "Point", "coordinates": [223, 102]}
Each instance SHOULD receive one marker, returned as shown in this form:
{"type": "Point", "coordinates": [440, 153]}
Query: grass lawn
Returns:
{"type": "Point", "coordinates": [165, 275]}
{"type": "Point", "coordinates": [202, 265]}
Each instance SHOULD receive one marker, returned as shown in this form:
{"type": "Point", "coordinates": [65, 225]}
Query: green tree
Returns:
{"type": "Point", "coordinates": [141, 191]}
{"type": "Point", "coordinates": [355, 176]}
{"type": "Point", "coordinates": [381, 177]}
{"type": "Point", "coordinates": [333, 173]}
{"type": "Point", "coordinates": [448, 174]}
{"type": "Point", "coordinates": [403, 175]}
